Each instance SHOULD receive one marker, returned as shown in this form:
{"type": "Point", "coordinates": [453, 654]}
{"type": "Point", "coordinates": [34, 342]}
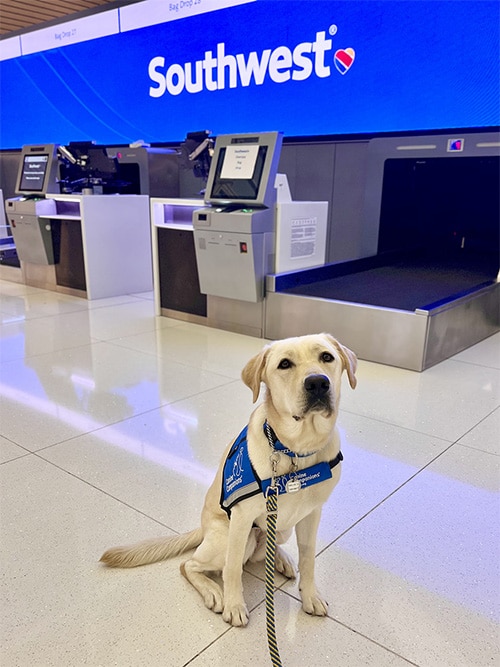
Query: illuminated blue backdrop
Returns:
{"type": "Point", "coordinates": [306, 68]}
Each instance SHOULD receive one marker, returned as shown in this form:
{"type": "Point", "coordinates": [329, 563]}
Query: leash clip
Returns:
{"type": "Point", "coordinates": [271, 491]}
{"type": "Point", "coordinates": [274, 460]}
{"type": "Point", "coordinates": [271, 497]}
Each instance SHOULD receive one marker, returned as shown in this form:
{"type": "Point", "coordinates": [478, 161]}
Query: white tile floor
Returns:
{"type": "Point", "coordinates": [112, 422]}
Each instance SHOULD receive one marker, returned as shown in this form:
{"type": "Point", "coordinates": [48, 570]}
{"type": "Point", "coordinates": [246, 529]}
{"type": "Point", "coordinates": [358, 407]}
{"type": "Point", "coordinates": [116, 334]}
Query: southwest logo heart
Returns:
{"type": "Point", "coordinates": [343, 59]}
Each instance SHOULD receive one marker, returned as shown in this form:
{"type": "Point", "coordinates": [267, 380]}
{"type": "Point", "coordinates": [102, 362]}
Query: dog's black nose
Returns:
{"type": "Point", "coordinates": [317, 385]}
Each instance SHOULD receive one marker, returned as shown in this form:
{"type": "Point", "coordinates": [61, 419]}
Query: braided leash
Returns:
{"type": "Point", "coordinates": [272, 515]}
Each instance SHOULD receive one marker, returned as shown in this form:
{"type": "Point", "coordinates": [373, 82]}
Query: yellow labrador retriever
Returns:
{"type": "Point", "coordinates": [291, 446]}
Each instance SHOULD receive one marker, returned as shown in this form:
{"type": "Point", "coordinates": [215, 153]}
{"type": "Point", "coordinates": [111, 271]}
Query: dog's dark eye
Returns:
{"type": "Point", "coordinates": [285, 363]}
{"type": "Point", "coordinates": [326, 357]}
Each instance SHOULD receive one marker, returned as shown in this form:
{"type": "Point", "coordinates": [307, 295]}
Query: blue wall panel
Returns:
{"type": "Point", "coordinates": [420, 65]}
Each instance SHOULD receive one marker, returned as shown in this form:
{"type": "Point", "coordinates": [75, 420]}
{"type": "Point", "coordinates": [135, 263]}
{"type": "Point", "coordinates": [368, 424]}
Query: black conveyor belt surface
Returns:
{"type": "Point", "coordinates": [402, 285]}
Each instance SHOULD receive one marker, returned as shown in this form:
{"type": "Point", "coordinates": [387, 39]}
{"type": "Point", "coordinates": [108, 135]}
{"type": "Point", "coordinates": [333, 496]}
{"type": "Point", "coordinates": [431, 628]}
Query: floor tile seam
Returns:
{"type": "Point", "coordinates": [114, 341]}
{"type": "Point", "coordinates": [390, 495]}
{"type": "Point", "coordinates": [476, 363]}
{"type": "Point", "coordinates": [95, 430]}
{"type": "Point", "coordinates": [85, 308]}
{"type": "Point", "coordinates": [332, 619]}
{"type": "Point", "coordinates": [48, 316]}
{"type": "Point", "coordinates": [395, 424]}
{"type": "Point", "coordinates": [46, 354]}
{"type": "Point", "coordinates": [373, 641]}
{"type": "Point", "coordinates": [17, 458]}
{"type": "Point", "coordinates": [92, 431]}
{"type": "Point", "coordinates": [91, 304]}
{"type": "Point", "coordinates": [203, 391]}
{"type": "Point", "coordinates": [477, 449]}
{"type": "Point", "coordinates": [13, 442]}
{"type": "Point", "coordinates": [106, 493]}
{"type": "Point", "coordinates": [37, 319]}
{"type": "Point", "coordinates": [153, 353]}
{"type": "Point", "coordinates": [457, 441]}
{"type": "Point", "coordinates": [123, 421]}
{"type": "Point", "coordinates": [24, 286]}
{"type": "Point", "coordinates": [205, 648]}
{"type": "Point", "coordinates": [138, 295]}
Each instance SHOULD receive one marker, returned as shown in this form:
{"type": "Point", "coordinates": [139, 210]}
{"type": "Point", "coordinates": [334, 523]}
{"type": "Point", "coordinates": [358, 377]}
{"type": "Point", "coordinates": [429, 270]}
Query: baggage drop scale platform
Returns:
{"type": "Point", "coordinates": [431, 287]}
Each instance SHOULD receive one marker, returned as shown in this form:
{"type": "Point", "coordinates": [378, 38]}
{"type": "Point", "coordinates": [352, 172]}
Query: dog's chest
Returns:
{"type": "Point", "coordinates": [294, 506]}
{"type": "Point", "coordinates": [302, 482]}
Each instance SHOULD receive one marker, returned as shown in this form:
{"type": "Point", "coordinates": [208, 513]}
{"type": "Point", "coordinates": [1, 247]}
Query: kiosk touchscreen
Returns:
{"type": "Point", "coordinates": [34, 172]}
{"type": "Point", "coordinates": [243, 168]}
{"type": "Point", "coordinates": [37, 173]}
{"type": "Point", "coordinates": [235, 235]}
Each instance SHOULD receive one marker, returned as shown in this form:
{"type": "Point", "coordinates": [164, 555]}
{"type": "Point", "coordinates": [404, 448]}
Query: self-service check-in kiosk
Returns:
{"type": "Point", "coordinates": [37, 176]}
{"type": "Point", "coordinates": [92, 241]}
{"type": "Point", "coordinates": [235, 234]}
{"type": "Point", "coordinates": [212, 270]}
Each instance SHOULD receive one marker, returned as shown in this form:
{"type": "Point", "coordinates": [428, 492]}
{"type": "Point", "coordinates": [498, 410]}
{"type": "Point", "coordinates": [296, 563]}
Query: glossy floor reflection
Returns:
{"type": "Point", "coordinates": [112, 423]}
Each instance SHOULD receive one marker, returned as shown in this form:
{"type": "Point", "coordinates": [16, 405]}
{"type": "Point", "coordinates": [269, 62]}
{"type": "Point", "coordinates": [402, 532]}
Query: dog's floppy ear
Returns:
{"type": "Point", "coordinates": [350, 364]}
{"type": "Point", "coordinates": [349, 360]}
{"type": "Point", "coordinates": [252, 373]}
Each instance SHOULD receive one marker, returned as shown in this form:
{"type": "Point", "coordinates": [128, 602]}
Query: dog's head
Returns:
{"type": "Point", "coordinates": [302, 376]}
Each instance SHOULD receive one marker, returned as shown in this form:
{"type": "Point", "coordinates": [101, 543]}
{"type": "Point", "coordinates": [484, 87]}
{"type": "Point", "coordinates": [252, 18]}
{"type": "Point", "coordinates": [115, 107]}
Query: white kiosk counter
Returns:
{"type": "Point", "coordinates": [104, 243]}
{"type": "Point", "coordinates": [175, 274]}
{"type": "Point", "coordinates": [88, 245]}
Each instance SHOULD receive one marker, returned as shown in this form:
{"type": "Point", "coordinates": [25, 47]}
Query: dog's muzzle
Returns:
{"type": "Point", "coordinates": [317, 392]}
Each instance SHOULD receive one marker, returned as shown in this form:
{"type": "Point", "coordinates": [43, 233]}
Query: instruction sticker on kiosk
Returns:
{"type": "Point", "coordinates": [239, 161]}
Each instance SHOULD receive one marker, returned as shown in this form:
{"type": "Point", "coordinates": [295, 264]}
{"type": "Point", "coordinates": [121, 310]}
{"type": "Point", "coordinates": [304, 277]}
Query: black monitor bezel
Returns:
{"type": "Point", "coordinates": [219, 183]}
{"type": "Point", "coordinates": [50, 183]}
{"type": "Point", "coordinates": [269, 147]}
{"type": "Point", "coordinates": [23, 187]}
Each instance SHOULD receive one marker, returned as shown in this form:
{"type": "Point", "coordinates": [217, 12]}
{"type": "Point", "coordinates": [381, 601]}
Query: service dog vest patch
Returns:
{"type": "Point", "coordinates": [239, 479]}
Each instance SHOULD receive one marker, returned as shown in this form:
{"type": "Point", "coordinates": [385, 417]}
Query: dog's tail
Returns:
{"type": "Point", "coordinates": [152, 551]}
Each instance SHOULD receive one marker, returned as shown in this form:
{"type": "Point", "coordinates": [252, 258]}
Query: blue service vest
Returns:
{"type": "Point", "coordinates": [239, 479]}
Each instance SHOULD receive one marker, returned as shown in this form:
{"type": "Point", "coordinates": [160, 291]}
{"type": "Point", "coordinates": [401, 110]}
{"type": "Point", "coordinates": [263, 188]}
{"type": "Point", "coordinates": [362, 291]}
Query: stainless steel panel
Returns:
{"type": "Point", "coordinates": [233, 265]}
{"type": "Point", "coordinates": [463, 323]}
{"type": "Point", "coordinates": [33, 239]}
{"type": "Point", "coordinates": [393, 337]}
{"type": "Point", "coordinates": [347, 232]}
{"type": "Point", "coordinates": [242, 317]}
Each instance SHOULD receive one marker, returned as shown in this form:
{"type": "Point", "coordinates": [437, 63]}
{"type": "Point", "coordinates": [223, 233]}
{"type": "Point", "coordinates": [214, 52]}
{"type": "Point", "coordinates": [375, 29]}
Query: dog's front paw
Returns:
{"type": "Point", "coordinates": [236, 615]}
{"type": "Point", "coordinates": [314, 605]}
{"type": "Point", "coordinates": [213, 599]}
{"type": "Point", "coordinates": [284, 564]}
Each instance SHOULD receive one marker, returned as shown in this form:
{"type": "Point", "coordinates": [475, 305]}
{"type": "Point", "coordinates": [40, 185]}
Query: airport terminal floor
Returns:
{"type": "Point", "coordinates": [112, 425]}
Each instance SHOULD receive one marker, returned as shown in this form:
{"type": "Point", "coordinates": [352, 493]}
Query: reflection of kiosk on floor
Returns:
{"type": "Point", "coordinates": [234, 236]}
{"type": "Point", "coordinates": [37, 176]}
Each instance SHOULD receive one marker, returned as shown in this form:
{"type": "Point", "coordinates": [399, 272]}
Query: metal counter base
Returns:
{"type": "Point", "coordinates": [394, 326]}
{"type": "Point", "coordinates": [241, 317]}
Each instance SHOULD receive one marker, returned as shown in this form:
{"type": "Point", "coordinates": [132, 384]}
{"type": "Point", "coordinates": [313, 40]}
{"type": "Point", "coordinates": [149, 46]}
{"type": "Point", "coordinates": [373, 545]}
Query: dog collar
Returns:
{"type": "Point", "coordinates": [279, 446]}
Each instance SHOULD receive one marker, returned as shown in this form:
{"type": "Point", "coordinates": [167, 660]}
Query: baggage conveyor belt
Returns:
{"type": "Point", "coordinates": [407, 311]}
